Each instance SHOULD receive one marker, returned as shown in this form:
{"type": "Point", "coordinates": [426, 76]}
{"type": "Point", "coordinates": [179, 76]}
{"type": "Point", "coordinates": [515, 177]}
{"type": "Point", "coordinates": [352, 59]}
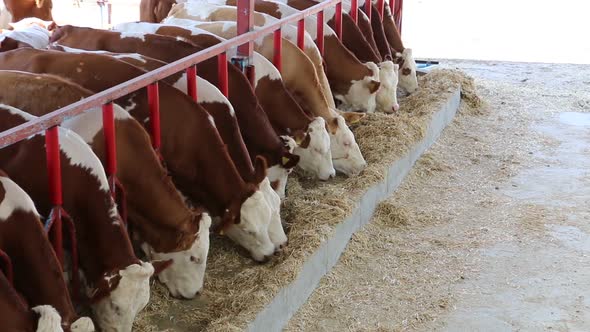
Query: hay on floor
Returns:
{"type": "Point", "coordinates": [236, 288]}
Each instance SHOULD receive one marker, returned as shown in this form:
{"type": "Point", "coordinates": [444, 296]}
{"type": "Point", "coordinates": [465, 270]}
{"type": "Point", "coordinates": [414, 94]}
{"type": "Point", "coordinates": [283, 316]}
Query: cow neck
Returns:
{"type": "Point", "coordinates": [366, 29]}
{"type": "Point", "coordinates": [343, 66]}
{"type": "Point", "coordinates": [379, 35]}
{"type": "Point", "coordinates": [282, 110]}
{"type": "Point", "coordinates": [355, 41]}
{"type": "Point", "coordinates": [391, 32]}
{"type": "Point", "coordinates": [37, 273]}
{"type": "Point", "coordinates": [15, 315]}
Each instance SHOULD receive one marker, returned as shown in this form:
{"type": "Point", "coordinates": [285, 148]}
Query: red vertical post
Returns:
{"type": "Point", "coordinates": [368, 8]}
{"type": "Point", "coordinates": [154, 105]}
{"type": "Point", "coordinates": [245, 24]}
{"type": "Point", "coordinates": [108, 124]}
{"type": "Point", "coordinates": [109, 13]}
{"type": "Point", "coordinates": [55, 190]}
{"type": "Point", "coordinates": [392, 9]}
{"type": "Point", "coordinates": [339, 20]}
{"type": "Point", "coordinates": [277, 58]}
{"type": "Point", "coordinates": [191, 82]}
{"type": "Point", "coordinates": [301, 34]}
{"type": "Point", "coordinates": [222, 73]}
{"type": "Point", "coordinates": [320, 32]}
{"type": "Point", "coordinates": [354, 5]}
{"type": "Point", "coordinates": [398, 16]}
{"type": "Point", "coordinates": [381, 8]}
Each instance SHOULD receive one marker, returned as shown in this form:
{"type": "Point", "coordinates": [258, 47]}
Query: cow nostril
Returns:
{"type": "Point", "coordinates": [198, 293]}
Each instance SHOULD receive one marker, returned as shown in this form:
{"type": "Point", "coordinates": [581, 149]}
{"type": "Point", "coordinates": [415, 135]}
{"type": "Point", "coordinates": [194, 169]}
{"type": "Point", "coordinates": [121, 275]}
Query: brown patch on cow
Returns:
{"type": "Point", "coordinates": [8, 44]}
{"type": "Point", "coordinates": [332, 125]}
{"type": "Point", "coordinates": [275, 184]}
{"type": "Point", "coordinates": [305, 143]}
{"type": "Point", "coordinates": [406, 71]}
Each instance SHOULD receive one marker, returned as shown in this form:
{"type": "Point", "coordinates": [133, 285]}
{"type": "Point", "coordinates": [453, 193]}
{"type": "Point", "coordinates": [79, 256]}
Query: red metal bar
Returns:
{"type": "Point", "coordinates": [109, 13]}
{"type": "Point", "coordinates": [392, 9]}
{"type": "Point", "coordinates": [277, 58]}
{"type": "Point", "coordinates": [154, 105]}
{"type": "Point", "coordinates": [339, 20]}
{"type": "Point", "coordinates": [7, 264]}
{"type": "Point", "coordinates": [191, 82]}
{"type": "Point", "coordinates": [320, 32]}
{"type": "Point", "coordinates": [381, 8]}
{"type": "Point", "coordinates": [301, 34]}
{"type": "Point", "coordinates": [222, 73]}
{"type": "Point", "coordinates": [354, 5]}
{"type": "Point", "coordinates": [251, 74]}
{"type": "Point", "coordinates": [54, 228]}
{"type": "Point", "coordinates": [32, 127]}
{"type": "Point", "coordinates": [245, 25]}
{"type": "Point", "coordinates": [398, 16]}
{"type": "Point", "coordinates": [368, 8]}
{"type": "Point", "coordinates": [108, 124]}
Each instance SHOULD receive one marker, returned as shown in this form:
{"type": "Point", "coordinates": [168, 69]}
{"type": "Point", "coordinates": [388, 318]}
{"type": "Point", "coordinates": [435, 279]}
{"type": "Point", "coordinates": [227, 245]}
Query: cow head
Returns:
{"type": "Point", "coordinates": [251, 228]}
{"type": "Point", "coordinates": [184, 277]}
{"type": "Point", "coordinates": [407, 70]}
{"type": "Point", "coordinates": [361, 95]}
{"type": "Point", "coordinates": [346, 153]}
{"type": "Point", "coordinates": [314, 150]}
{"type": "Point", "coordinates": [128, 294]}
{"type": "Point", "coordinates": [277, 174]}
{"type": "Point", "coordinates": [276, 232]}
{"type": "Point", "coordinates": [387, 94]}
{"type": "Point", "coordinates": [49, 319]}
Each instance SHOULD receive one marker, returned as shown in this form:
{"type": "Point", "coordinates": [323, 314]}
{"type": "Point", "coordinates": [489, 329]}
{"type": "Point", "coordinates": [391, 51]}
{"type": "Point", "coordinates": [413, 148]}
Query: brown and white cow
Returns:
{"type": "Point", "coordinates": [117, 282]}
{"type": "Point", "coordinates": [284, 113]}
{"type": "Point", "coordinates": [255, 127]}
{"type": "Point", "coordinates": [342, 67]}
{"type": "Point", "coordinates": [16, 10]}
{"type": "Point", "coordinates": [299, 77]}
{"type": "Point", "coordinates": [165, 225]}
{"type": "Point", "coordinates": [203, 172]}
{"type": "Point", "coordinates": [34, 36]}
{"type": "Point", "coordinates": [35, 268]}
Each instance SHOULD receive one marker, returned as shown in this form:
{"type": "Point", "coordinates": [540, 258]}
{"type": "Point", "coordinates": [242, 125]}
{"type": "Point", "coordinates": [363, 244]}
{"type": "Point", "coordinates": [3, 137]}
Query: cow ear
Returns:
{"type": "Point", "coordinates": [332, 125]}
{"type": "Point", "coordinates": [374, 86]}
{"type": "Point", "coordinates": [260, 166]}
{"type": "Point", "coordinates": [161, 265]}
{"type": "Point", "coordinates": [352, 117]}
{"type": "Point", "coordinates": [289, 160]}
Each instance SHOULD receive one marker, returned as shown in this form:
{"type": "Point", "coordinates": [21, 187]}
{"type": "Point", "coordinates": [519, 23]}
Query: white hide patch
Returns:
{"type": "Point", "coordinates": [134, 56]}
{"type": "Point", "coordinates": [117, 311]}
{"type": "Point", "coordinates": [15, 198]}
{"type": "Point", "coordinates": [5, 16]}
{"type": "Point", "coordinates": [49, 319]}
{"type": "Point", "coordinates": [276, 232]}
{"type": "Point", "coordinates": [185, 276]}
{"type": "Point", "coordinates": [34, 35]}
{"type": "Point", "coordinates": [200, 9]}
{"type": "Point", "coordinates": [138, 35]}
{"type": "Point", "coordinates": [209, 93]}
{"type": "Point", "coordinates": [88, 124]}
{"type": "Point", "coordinates": [346, 154]}
{"type": "Point", "coordinates": [265, 68]}
{"type": "Point", "coordinates": [137, 27]}
{"type": "Point", "coordinates": [252, 230]}
{"type": "Point", "coordinates": [82, 324]}
{"type": "Point", "coordinates": [15, 111]}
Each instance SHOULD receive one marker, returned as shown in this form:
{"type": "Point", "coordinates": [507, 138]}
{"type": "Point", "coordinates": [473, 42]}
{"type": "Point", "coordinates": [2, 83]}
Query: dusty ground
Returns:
{"type": "Point", "coordinates": [490, 232]}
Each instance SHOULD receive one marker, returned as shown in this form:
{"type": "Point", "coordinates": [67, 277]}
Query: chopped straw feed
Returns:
{"type": "Point", "coordinates": [236, 288]}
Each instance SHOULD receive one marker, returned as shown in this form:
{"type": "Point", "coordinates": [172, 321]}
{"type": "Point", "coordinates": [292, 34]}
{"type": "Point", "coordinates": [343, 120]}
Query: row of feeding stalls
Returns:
{"type": "Point", "coordinates": [58, 223]}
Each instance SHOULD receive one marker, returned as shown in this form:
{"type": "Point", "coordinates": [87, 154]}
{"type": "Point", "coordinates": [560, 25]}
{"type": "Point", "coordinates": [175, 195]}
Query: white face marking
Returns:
{"type": "Point", "coordinates": [14, 199]}
{"type": "Point", "coordinates": [117, 311]}
{"type": "Point", "coordinates": [346, 153]}
{"type": "Point", "coordinates": [387, 93]}
{"type": "Point", "coordinates": [408, 82]}
{"type": "Point", "coordinates": [276, 232]}
{"type": "Point", "coordinates": [184, 277]}
{"type": "Point", "coordinates": [138, 35]}
{"type": "Point", "coordinates": [252, 231]}
{"type": "Point", "coordinates": [82, 324]}
{"type": "Point", "coordinates": [49, 319]}
{"type": "Point", "coordinates": [33, 35]}
{"type": "Point", "coordinates": [316, 159]}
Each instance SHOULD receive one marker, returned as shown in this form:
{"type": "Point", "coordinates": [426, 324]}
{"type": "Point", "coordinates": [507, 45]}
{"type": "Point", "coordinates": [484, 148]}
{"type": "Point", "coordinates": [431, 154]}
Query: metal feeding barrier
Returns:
{"type": "Point", "coordinates": [243, 41]}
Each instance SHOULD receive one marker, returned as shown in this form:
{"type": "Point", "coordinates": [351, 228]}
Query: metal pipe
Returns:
{"type": "Point", "coordinates": [354, 5]}
{"type": "Point", "coordinates": [277, 58]}
{"type": "Point", "coordinates": [54, 227]}
{"type": "Point", "coordinates": [320, 32]}
{"type": "Point", "coordinates": [339, 20]}
{"type": "Point", "coordinates": [154, 105]}
{"type": "Point", "coordinates": [301, 34]}
{"type": "Point", "coordinates": [108, 124]}
{"type": "Point", "coordinates": [368, 8]}
{"type": "Point", "coordinates": [191, 82]}
{"type": "Point", "coordinates": [381, 8]}
{"type": "Point", "coordinates": [222, 74]}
